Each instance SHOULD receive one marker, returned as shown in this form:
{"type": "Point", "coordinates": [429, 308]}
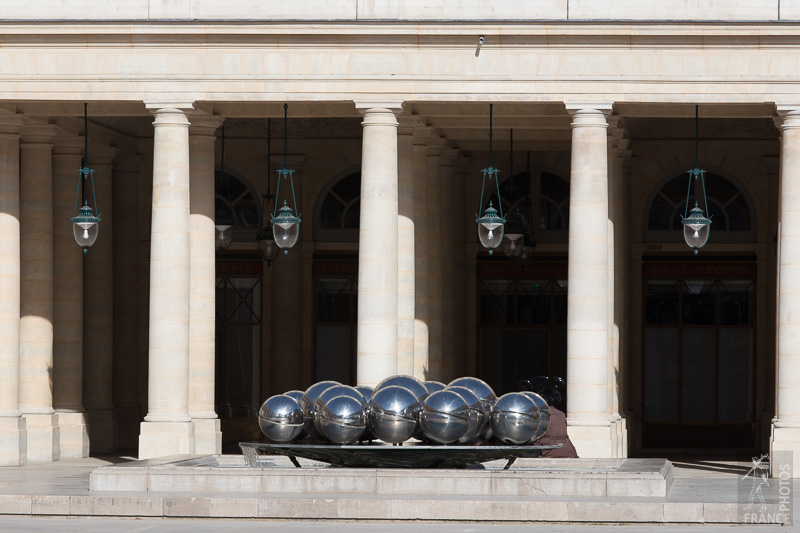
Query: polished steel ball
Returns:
{"type": "Point", "coordinates": [482, 390]}
{"type": "Point", "coordinates": [366, 392]}
{"type": "Point", "coordinates": [332, 392]}
{"type": "Point", "coordinates": [280, 418]}
{"type": "Point", "coordinates": [342, 419]}
{"type": "Point", "coordinates": [433, 386]}
{"type": "Point", "coordinates": [409, 382]}
{"type": "Point", "coordinates": [308, 403]}
{"type": "Point", "coordinates": [543, 415]}
{"type": "Point", "coordinates": [514, 418]}
{"type": "Point", "coordinates": [393, 414]}
{"type": "Point", "coordinates": [296, 394]}
{"type": "Point", "coordinates": [445, 416]}
{"type": "Point", "coordinates": [477, 416]}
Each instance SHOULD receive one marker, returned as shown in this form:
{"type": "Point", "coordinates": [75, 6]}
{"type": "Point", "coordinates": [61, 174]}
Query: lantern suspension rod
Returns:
{"type": "Point", "coordinates": [284, 172]}
{"type": "Point", "coordinates": [490, 134]}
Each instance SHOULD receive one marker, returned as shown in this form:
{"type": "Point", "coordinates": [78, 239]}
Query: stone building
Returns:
{"type": "Point", "coordinates": [152, 342]}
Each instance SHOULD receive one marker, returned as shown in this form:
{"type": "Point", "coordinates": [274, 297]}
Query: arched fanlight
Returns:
{"type": "Point", "coordinates": [492, 223]}
{"type": "Point", "coordinates": [696, 223]}
{"type": "Point", "coordinates": [85, 224]}
{"type": "Point", "coordinates": [267, 247]}
{"type": "Point", "coordinates": [285, 226]}
{"type": "Point", "coordinates": [223, 218]}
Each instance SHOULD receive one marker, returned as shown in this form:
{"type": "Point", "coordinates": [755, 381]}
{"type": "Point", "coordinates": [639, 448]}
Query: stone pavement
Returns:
{"type": "Point", "coordinates": [42, 495]}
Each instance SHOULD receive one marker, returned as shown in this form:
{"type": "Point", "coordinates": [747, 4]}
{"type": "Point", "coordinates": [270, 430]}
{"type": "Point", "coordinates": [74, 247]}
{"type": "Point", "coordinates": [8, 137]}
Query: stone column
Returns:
{"type": "Point", "coordinates": [126, 368]}
{"type": "Point", "coordinates": [167, 429]}
{"type": "Point", "coordinates": [36, 292]}
{"type": "Point", "coordinates": [202, 314]}
{"type": "Point", "coordinates": [587, 302]}
{"type": "Point", "coordinates": [447, 217]}
{"type": "Point", "coordinates": [13, 435]}
{"type": "Point", "coordinates": [68, 302]}
{"type": "Point", "coordinates": [785, 440]}
{"type": "Point", "coordinates": [464, 328]}
{"type": "Point", "coordinates": [98, 313]}
{"type": "Point", "coordinates": [434, 249]}
{"type": "Point", "coordinates": [377, 251]}
{"type": "Point", "coordinates": [420, 155]}
{"type": "Point", "coordinates": [405, 244]}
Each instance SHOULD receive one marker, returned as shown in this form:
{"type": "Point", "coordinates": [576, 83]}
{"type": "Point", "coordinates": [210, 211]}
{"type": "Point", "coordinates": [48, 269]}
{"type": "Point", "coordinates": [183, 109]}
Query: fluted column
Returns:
{"type": "Point", "coordinates": [167, 429]}
{"type": "Point", "coordinates": [202, 319]}
{"type": "Point", "coordinates": [447, 209]}
{"type": "Point", "coordinates": [98, 314]}
{"type": "Point", "coordinates": [125, 207]}
{"type": "Point", "coordinates": [405, 245]}
{"type": "Point", "coordinates": [36, 294]}
{"type": "Point", "coordinates": [68, 302]}
{"type": "Point", "coordinates": [785, 440]}
{"type": "Point", "coordinates": [434, 249]}
{"type": "Point", "coordinates": [587, 302]}
{"type": "Point", "coordinates": [420, 155]}
{"type": "Point", "coordinates": [377, 249]}
{"type": "Point", "coordinates": [13, 435]}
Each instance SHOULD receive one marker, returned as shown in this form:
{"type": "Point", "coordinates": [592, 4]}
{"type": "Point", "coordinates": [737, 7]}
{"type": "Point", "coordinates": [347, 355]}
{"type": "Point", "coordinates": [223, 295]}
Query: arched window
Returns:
{"type": "Point", "coordinates": [338, 210]}
{"type": "Point", "coordinates": [731, 210]}
{"type": "Point", "coordinates": [537, 203]}
{"type": "Point", "coordinates": [233, 195]}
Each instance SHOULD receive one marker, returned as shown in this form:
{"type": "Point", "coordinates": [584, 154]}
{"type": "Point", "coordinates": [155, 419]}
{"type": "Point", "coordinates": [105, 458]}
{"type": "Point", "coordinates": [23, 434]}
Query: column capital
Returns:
{"type": "Point", "coordinates": [422, 134]}
{"type": "Point", "coordinates": [589, 114]}
{"type": "Point", "coordinates": [128, 163]}
{"type": "Point", "coordinates": [11, 123]}
{"type": "Point", "coordinates": [379, 106]}
{"type": "Point", "coordinates": [154, 106]}
{"type": "Point", "coordinates": [39, 133]}
{"type": "Point", "coordinates": [408, 124]}
{"type": "Point", "coordinates": [436, 145]}
{"type": "Point", "coordinates": [448, 156]}
{"type": "Point", "coordinates": [68, 145]}
{"type": "Point", "coordinates": [204, 125]}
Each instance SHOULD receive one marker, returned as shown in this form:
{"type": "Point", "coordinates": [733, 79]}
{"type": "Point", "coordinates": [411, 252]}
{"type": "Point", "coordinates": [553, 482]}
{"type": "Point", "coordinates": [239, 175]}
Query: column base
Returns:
{"type": "Point", "coordinates": [73, 435]}
{"type": "Point", "coordinates": [160, 439]}
{"type": "Point", "coordinates": [208, 435]}
{"type": "Point", "coordinates": [43, 437]}
{"type": "Point", "coordinates": [592, 440]}
{"type": "Point", "coordinates": [127, 427]}
{"type": "Point", "coordinates": [101, 430]}
{"type": "Point", "coordinates": [13, 441]}
{"type": "Point", "coordinates": [784, 452]}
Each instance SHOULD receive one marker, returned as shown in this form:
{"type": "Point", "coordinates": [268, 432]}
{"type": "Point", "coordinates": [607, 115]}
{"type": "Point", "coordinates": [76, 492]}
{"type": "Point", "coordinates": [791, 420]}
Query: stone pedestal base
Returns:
{"type": "Point", "coordinates": [591, 439]}
{"type": "Point", "coordinates": [43, 437]}
{"type": "Point", "coordinates": [784, 452]}
{"type": "Point", "coordinates": [101, 430]}
{"type": "Point", "coordinates": [160, 439]}
{"type": "Point", "coordinates": [208, 436]}
{"type": "Point", "coordinates": [13, 441]}
{"type": "Point", "coordinates": [73, 435]}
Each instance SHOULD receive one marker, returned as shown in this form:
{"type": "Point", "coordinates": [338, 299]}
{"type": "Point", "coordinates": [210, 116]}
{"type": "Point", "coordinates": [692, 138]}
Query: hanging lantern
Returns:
{"type": "Point", "coordinates": [85, 224]}
{"type": "Point", "coordinates": [492, 224]}
{"type": "Point", "coordinates": [696, 223]}
{"type": "Point", "coordinates": [285, 225]}
{"type": "Point", "coordinates": [223, 218]}
{"type": "Point", "coordinates": [267, 247]}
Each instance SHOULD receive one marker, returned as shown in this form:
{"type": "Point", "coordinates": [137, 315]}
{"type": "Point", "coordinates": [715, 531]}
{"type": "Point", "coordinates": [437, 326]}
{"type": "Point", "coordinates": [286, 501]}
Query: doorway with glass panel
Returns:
{"type": "Point", "coordinates": [522, 329]}
{"type": "Point", "coordinates": [699, 356]}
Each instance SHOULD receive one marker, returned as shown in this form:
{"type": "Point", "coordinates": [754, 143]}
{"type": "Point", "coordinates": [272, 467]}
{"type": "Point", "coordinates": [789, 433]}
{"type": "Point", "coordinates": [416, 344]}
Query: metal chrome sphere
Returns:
{"type": "Point", "coordinates": [393, 414]}
{"type": "Point", "coordinates": [482, 390]}
{"type": "Point", "coordinates": [366, 392]}
{"type": "Point", "coordinates": [342, 419]}
{"type": "Point", "coordinates": [409, 382]}
{"type": "Point", "coordinates": [308, 403]}
{"type": "Point", "coordinates": [514, 418]}
{"type": "Point", "coordinates": [332, 392]}
{"type": "Point", "coordinates": [434, 386]}
{"type": "Point", "coordinates": [296, 394]}
{"type": "Point", "coordinates": [445, 416]}
{"type": "Point", "coordinates": [280, 418]}
{"type": "Point", "coordinates": [543, 415]}
{"type": "Point", "coordinates": [477, 416]}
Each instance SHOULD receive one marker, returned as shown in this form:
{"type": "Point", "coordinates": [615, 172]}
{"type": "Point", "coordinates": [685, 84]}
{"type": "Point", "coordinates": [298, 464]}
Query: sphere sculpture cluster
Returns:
{"type": "Point", "coordinates": [402, 407]}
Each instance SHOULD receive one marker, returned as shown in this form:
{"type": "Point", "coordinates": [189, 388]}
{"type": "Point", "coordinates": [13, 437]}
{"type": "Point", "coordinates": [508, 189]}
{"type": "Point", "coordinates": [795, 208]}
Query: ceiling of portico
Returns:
{"type": "Point", "coordinates": [465, 125]}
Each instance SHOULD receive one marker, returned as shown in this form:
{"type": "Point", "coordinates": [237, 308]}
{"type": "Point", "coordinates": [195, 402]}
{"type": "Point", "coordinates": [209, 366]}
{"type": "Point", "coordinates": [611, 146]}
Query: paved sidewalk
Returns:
{"type": "Point", "coordinates": [697, 483]}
